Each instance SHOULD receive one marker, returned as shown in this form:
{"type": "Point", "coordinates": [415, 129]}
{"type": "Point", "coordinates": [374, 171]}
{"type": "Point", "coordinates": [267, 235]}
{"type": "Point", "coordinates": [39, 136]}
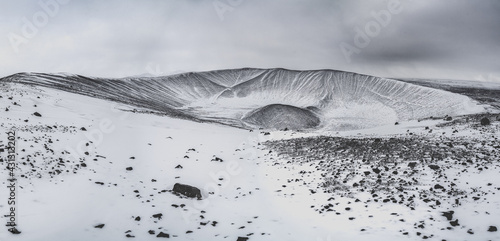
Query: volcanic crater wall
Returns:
{"type": "Point", "coordinates": [269, 98]}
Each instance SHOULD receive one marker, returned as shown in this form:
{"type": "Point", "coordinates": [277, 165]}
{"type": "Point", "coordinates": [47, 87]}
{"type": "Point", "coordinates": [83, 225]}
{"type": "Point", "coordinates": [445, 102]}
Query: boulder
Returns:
{"type": "Point", "coordinates": [485, 121]}
{"type": "Point", "coordinates": [187, 190]}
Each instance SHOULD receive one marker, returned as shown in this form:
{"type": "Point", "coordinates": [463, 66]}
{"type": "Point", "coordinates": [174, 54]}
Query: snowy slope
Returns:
{"type": "Point", "coordinates": [89, 161]}
{"type": "Point", "coordinates": [67, 206]}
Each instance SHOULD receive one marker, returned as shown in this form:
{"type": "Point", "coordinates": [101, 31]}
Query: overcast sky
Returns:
{"type": "Point", "coordinates": [451, 39]}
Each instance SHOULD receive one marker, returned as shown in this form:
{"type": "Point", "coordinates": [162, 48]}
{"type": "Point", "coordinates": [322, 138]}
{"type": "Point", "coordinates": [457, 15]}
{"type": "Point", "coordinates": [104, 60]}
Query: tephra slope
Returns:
{"type": "Point", "coordinates": [280, 98]}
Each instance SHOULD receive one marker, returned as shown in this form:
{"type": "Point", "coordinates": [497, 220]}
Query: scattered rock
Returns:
{"type": "Point", "coordinates": [14, 230]}
{"type": "Point", "coordinates": [448, 215]}
{"type": "Point", "coordinates": [492, 229]}
{"type": "Point", "coordinates": [129, 168]}
{"type": "Point", "coordinates": [163, 235]}
{"type": "Point", "coordinates": [39, 115]}
{"type": "Point", "coordinates": [217, 159]}
{"type": "Point", "coordinates": [454, 223]}
{"type": "Point", "coordinates": [99, 225]}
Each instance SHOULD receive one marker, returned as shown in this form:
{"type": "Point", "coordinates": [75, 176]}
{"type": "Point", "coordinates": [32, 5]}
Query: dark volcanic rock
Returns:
{"type": "Point", "coordinates": [485, 121]}
{"type": "Point", "coordinates": [448, 215]}
{"type": "Point", "coordinates": [454, 223]}
{"type": "Point", "coordinates": [37, 114]}
{"type": "Point", "coordinates": [187, 190]}
{"type": "Point", "coordinates": [14, 230]}
{"type": "Point", "coordinates": [242, 239]}
{"type": "Point", "coordinates": [492, 229]}
{"type": "Point", "coordinates": [163, 235]}
{"type": "Point", "coordinates": [99, 225]}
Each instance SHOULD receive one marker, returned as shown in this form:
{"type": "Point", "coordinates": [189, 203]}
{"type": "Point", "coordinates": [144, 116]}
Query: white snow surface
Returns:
{"type": "Point", "coordinates": [67, 206]}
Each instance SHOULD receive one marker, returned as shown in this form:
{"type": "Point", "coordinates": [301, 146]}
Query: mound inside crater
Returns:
{"type": "Point", "coordinates": [277, 116]}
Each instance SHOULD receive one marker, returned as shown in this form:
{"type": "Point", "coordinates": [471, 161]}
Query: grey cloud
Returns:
{"type": "Point", "coordinates": [120, 38]}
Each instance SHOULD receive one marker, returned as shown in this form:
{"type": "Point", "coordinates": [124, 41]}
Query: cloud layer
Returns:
{"type": "Point", "coordinates": [452, 39]}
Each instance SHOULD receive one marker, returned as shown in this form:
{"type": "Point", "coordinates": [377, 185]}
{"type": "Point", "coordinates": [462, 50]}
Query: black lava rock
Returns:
{"type": "Point", "coordinates": [454, 223]}
{"type": "Point", "coordinates": [99, 225]}
{"type": "Point", "coordinates": [448, 215]}
{"type": "Point", "coordinates": [14, 230]}
{"type": "Point", "coordinates": [163, 235]}
{"type": "Point", "coordinates": [485, 121]}
{"type": "Point", "coordinates": [187, 190]}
